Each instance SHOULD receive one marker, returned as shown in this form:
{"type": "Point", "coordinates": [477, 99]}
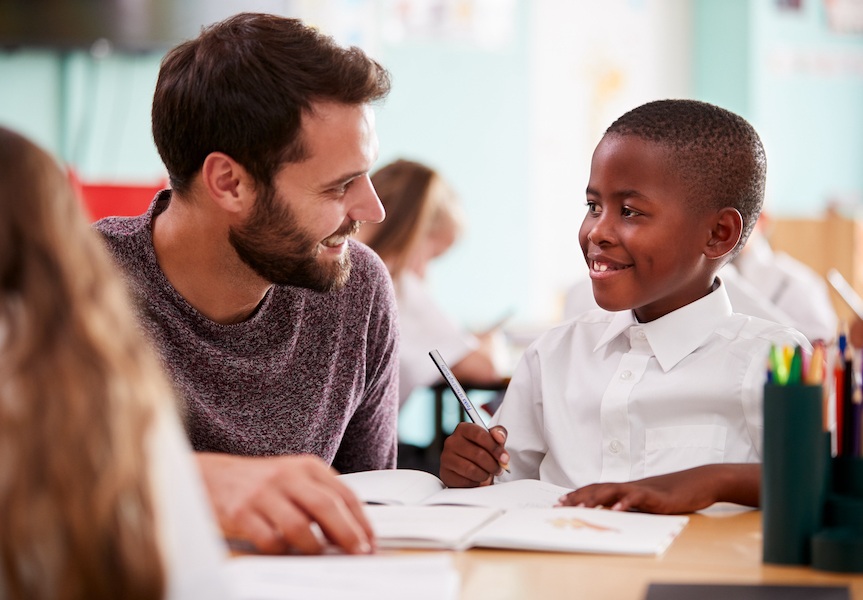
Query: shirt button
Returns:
{"type": "Point", "coordinates": [615, 446]}
{"type": "Point", "coordinates": [626, 375]}
{"type": "Point", "coordinates": [641, 335]}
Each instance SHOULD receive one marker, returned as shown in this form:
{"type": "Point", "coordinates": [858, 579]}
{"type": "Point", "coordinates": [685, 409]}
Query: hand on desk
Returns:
{"type": "Point", "coordinates": [472, 456]}
{"type": "Point", "coordinates": [272, 503]}
{"type": "Point", "coordinates": [675, 493]}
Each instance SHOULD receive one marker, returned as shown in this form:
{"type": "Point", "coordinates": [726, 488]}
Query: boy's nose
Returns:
{"type": "Point", "coordinates": [600, 232]}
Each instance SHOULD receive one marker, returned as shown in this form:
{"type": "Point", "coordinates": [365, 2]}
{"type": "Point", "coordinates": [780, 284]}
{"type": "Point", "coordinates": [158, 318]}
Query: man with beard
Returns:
{"type": "Point", "coordinates": [278, 331]}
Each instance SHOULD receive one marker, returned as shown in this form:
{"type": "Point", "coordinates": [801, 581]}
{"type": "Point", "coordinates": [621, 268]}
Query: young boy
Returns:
{"type": "Point", "coordinates": [665, 394]}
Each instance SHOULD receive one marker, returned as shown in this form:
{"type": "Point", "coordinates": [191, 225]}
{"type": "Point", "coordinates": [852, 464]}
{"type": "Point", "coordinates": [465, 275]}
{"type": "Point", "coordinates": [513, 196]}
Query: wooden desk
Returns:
{"type": "Point", "coordinates": [719, 547]}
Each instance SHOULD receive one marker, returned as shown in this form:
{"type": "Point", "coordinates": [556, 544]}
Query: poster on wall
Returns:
{"type": "Point", "coordinates": [485, 24]}
{"type": "Point", "coordinates": [844, 16]}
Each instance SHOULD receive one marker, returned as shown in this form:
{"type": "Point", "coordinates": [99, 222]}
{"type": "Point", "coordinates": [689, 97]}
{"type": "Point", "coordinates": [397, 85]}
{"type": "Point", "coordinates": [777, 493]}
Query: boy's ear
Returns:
{"type": "Point", "coordinates": [726, 232]}
{"type": "Point", "coordinates": [227, 182]}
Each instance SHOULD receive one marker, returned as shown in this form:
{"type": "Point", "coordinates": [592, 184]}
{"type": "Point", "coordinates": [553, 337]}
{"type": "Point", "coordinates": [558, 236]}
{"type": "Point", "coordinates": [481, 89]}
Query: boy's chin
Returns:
{"type": "Point", "coordinates": [615, 307]}
{"type": "Point", "coordinates": [610, 304]}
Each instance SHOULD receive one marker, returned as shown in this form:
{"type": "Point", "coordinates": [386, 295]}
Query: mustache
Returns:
{"type": "Point", "coordinates": [350, 228]}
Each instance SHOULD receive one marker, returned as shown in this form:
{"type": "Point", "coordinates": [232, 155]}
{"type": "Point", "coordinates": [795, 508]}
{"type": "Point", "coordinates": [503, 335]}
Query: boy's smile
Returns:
{"type": "Point", "coordinates": [644, 241]}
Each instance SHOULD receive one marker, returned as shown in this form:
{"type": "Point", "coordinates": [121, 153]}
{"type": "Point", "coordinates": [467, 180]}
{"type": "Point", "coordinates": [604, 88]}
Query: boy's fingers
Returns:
{"type": "Point", "coordinates": [499, 433]}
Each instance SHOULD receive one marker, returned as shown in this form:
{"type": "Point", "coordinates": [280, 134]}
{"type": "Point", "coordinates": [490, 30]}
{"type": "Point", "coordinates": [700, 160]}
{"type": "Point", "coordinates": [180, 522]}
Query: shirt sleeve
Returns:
{"type": "Point", "coordinates": [193, 550]}
{"type": "Point", "coordinates": [521, 413]}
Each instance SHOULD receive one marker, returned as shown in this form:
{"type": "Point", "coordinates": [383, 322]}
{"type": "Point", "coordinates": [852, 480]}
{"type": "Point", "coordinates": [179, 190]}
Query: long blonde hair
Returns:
{"type": "Point", "coordinates": [418, 203]}
{"type": "Point", "coordinates": [78, 393]}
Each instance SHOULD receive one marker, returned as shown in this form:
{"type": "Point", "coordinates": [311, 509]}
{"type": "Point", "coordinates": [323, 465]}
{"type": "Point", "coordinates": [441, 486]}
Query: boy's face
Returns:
{"type": "Point", "coordinates": [641, 238]}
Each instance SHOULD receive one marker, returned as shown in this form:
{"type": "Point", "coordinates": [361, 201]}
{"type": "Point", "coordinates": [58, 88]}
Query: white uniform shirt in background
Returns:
{"type": "Point", "coordinates": [791, 285]}
{"type": "Point", "coordinates": [424, 327]}
{"type": "Point", "coordinates": [604, 398]}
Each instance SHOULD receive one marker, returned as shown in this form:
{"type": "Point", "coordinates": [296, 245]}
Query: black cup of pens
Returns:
{"type": "Point", "coordinates": [794, 471]}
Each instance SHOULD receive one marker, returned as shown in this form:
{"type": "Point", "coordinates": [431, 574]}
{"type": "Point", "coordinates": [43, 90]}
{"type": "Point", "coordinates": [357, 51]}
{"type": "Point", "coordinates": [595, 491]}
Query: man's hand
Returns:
{"type": "Point", "coordinates": [675, 493]}
{"type": "Point", "coordinates": [273, 502]}
{"type": "Point", "coordinates": [472, 456]}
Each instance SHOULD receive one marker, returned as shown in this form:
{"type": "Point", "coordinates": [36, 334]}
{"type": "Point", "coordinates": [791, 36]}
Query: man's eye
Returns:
{"type": "Point", "coordinates": [341, 190]}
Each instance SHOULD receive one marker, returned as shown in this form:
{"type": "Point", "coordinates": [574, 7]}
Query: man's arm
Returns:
{"type": "Point", "coordinates": [675, 493]}
{"type": "Point", "coordinates": [276, 504]}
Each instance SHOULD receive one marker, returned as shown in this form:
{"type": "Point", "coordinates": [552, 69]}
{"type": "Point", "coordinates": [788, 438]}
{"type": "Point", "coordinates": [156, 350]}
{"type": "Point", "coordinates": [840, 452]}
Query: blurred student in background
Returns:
{"type": "Point", "coordinates": [424, 219]}
{"type": "Point", "coordinates": [788, 284]}
{"type": "Point", "coordinates": [99, 497]}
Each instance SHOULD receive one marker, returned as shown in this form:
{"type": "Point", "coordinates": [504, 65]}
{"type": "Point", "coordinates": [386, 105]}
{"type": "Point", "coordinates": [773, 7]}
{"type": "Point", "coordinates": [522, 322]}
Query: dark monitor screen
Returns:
{"type": "Point", "coordinates": [134, 25]}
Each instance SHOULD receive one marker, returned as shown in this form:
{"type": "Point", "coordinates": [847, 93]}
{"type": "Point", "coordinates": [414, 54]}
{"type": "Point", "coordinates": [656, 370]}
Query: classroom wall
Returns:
{"type": "Point", "coordinates": [799, 80]}
{"type": "Point", "coordinates": [459, 103]}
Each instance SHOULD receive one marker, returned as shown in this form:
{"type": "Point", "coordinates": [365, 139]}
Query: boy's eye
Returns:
{"type": "Point", "coordinates": [593, 207]}
{"type": "Point", "coordinates": [628, 212]}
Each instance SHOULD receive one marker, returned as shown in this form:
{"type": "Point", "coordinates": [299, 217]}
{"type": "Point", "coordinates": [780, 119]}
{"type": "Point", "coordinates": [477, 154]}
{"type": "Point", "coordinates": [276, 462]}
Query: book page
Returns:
{"type": "Point", "coordinates": [521, 493]}
{"type": "Point", "coordinates": [399, 487]}
{"type": "Point", "coordinates": [337, 577]}
{"type": "Point", "coordinates": [570, 529]}
{"type": "Point", "coordinates": [442, 527]}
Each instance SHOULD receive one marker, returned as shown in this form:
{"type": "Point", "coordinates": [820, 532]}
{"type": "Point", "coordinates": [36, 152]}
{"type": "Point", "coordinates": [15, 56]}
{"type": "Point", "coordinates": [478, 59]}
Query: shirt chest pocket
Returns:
{"type": "Point", "coordinates": [670, 449]}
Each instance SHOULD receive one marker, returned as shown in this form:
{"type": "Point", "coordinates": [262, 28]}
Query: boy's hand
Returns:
{"type": "Point", "coordinates": [675, 493]}
{"type": "Point", "coordinates": [472, 456]}
{"type": "Point", "coordinates": [276, 503]}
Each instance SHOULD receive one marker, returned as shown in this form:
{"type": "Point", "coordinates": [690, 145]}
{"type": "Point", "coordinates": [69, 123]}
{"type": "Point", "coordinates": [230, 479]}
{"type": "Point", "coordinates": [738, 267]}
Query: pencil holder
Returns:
{"type": "Point", "coordinates": [848, 476]}
{"type": "Point", "coordinates": [839, 546]}
{"type": "Point", "coordinates": [794, 472]}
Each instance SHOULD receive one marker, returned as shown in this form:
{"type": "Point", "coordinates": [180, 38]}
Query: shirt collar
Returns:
{"type": "Point", "coordinates": [698, 320]}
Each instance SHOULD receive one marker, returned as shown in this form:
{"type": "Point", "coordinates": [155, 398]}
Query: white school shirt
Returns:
{"type": "Point", "coordinates": [604, 398]}
{"type": "Point", "coordinates": [424, 327]}
{"type": "Point", "coordinates": [792, 286]}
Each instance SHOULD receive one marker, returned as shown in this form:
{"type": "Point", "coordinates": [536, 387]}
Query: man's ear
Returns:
{"type": "Point", "coordinates": [228, 184]}
{"type": "Point", "coordinates": [726, 232]}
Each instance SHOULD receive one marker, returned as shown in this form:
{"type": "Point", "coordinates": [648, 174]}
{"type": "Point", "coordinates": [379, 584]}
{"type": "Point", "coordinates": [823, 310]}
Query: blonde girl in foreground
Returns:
{"type": "Point", "coordinates": [98, 494]}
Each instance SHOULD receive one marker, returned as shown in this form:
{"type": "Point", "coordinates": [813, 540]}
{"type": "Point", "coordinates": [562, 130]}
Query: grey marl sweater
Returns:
{"type": "Point", "coordinates": [309, 372]}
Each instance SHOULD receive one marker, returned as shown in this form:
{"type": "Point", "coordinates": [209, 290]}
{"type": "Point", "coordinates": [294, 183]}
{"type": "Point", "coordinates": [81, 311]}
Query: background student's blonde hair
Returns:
{"type": "Point", "coordinates": [421, 208]}
{"type": "Point", "coordinates": [79, 390]}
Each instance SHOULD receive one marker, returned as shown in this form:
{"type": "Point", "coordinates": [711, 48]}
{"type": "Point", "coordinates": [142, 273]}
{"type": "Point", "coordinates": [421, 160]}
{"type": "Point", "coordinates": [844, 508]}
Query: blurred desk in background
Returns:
{"type": "Point", "coordinates": [442, 395]}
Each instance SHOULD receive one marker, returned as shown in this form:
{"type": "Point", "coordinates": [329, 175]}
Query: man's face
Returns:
{"type": "Point", "coordinates": [298, 229]}
{"type": "Point", "coordinates": [642, 240]}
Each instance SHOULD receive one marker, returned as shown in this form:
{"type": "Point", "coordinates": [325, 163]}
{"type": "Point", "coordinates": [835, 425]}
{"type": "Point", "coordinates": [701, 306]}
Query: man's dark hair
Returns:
{"type": "Point", "coordinates": [242, 86]}
{"type": "Point", "coordinates": [717, 153]}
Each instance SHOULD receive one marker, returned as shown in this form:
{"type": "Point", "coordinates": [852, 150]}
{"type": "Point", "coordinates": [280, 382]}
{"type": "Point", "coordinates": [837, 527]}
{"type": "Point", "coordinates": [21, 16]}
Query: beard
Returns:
{"type": "Point", "coordinates": [274, 246]}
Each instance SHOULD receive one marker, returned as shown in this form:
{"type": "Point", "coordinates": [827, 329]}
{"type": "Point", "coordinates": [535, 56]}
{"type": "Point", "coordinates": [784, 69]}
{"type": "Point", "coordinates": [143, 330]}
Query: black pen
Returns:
{"type": "Point", "coordinates": [459, 392]}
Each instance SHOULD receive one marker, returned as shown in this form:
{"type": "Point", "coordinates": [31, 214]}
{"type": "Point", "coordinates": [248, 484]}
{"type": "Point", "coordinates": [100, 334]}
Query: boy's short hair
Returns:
{"type": "Point", "coordinates": [717, 153]}
{"type": "Point", "coordinates": [242, 86]}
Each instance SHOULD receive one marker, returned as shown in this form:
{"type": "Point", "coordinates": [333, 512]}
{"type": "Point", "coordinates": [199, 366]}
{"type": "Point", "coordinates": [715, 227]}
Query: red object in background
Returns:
{"type": "Point", "coordinates": [114, 199]}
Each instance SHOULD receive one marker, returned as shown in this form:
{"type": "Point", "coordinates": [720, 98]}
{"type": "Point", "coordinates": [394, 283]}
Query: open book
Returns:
{"type": "Point", "coordinates": [405, 487]}
{"type": "Point", "coordinates": [413, 509]}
